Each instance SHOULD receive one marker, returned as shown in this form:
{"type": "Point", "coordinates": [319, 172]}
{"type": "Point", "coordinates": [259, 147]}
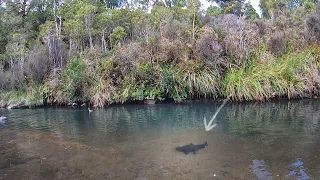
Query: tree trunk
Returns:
{"type": "Point", "coordinates": [90, 38]}
{"type": "Point", "coordinates": [24, 9]}
{"type": "Point", "coordinates": [88, 21]}
{"type": "Point", "coordinates": [70, 47]}
{"type": "Point", "coordinates": [103, 42]}
{"type": "Point", "coordinates": [193, 22]}
{"type": "Point", "coordinates": [160, 29]}
{"type": "Point", "coordinates": [55, 45]}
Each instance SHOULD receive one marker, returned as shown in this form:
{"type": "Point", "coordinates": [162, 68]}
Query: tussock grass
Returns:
{"type": "Point", "coordinates": [103, 92]}
{"type": "Point", "coordinates": [288, 76]}
{"type": "Point", "coordinates": [33, 96]}
{"type": "Point", "coordinates": [202, 81]}
{"type": "Point", "coordinates": [291, 75]}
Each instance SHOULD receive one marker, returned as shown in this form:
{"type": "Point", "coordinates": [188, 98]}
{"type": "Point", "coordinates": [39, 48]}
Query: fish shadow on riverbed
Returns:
{"type": "Point", "coordinates": [191, 148]}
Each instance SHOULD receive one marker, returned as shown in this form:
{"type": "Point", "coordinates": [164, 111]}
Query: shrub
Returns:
{"type": "Point", "coordinates": [72, 81]}
{"type": "Point", "coordinates": [241, 43]}
{"type": "Point", "coordinates": [129, 52]}
{"type": "Point", "coordinates": [312, 24]}
{"type": "Point", "coordinates": [278, 44]}
{"type": "Point", "coordinates": [208, 47]}
{"type": "Point", "coordinates": [4, 80]}
{"type": "Point", "coordinates": [37, 65]}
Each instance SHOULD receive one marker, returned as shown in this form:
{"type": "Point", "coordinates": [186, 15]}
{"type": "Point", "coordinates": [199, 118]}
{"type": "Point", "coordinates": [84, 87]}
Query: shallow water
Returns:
{"type": "Point", "coordinates": [274, 140]}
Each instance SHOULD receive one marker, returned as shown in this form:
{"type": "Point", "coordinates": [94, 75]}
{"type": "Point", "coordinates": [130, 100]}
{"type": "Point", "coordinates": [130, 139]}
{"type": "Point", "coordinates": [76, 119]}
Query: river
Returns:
{"type": "Point", "coordinates": [272, 140]}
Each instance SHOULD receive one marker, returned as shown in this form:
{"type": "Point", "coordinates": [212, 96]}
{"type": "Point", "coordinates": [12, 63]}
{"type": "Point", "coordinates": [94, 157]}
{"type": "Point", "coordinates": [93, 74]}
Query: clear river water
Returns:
{"type": "Point", "coordinates": [259, 141]}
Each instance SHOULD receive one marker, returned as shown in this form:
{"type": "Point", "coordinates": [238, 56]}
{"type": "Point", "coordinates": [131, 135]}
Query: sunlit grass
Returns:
{"type": "Point", "coordinates": [33, 96]}
{"type": "Point", "coordinates": [102, 91]}
{"type": "Point", "coordinates": [287, 76]}
{"type": "Point", "coordinates": [202, 80]}
{"type": "Point", "coordinates": [291, 75]}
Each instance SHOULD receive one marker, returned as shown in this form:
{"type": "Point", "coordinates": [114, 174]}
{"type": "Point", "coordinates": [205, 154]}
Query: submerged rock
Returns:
{"type": "Point", "coordinates": [150, 101]}
{"type": "Point", "coordinates": [13, 106]}
{"type": "Point", "coordinates": [19, 106]}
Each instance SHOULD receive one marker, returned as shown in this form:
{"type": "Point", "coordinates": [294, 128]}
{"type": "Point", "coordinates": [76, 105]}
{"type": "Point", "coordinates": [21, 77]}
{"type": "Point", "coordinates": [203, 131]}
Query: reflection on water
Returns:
{"type": "Point", "coordinates": [251, 139]}
{"type": "Point", "coordinates": [281, 118]}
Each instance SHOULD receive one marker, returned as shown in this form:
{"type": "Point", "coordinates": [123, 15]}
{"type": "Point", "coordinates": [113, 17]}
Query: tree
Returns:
{"type": "Point", "coordinates": [73, 30]}
{"type": "Point", "coordinates": [214, 10]}
{"type": "Point", "coordinates": [231, 6]}
{"type": "Point", "coordinates": [160, 16]}
{"type": "Point", "coordinates": [54, 45]}
{"type": "Point", "coordinates": [193, 6]}
{"type": "Point", "coordinates": [112, 4]}
{"type": "Point", "coordinates": [177, 3]}
{"type": "Point", "coordinates": [104, 25]}
{"type": "Point", "coordinates": [87, 13]}
{"type": "Point", "coordinates": [117, 36]}
{"type": "Point", "coordinates": [250, 12]}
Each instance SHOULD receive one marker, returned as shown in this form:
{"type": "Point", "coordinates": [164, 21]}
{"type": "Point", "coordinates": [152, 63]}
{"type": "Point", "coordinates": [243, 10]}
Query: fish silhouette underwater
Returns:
{"type": "Point", "coordinates": [191, 148]}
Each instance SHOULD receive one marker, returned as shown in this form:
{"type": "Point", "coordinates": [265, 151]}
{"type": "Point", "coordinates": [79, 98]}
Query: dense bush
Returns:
{"type": "Point", "coordinates": [277, 44]}
{"type": "Point", "coordinates": [313, 27]}
{"type": "Point", "coordinates": [37, 65]}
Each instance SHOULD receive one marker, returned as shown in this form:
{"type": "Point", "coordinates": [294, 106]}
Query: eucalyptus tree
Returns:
{"type": "Point", "coordinates": [231, 6]}
{"type": "Point", "coordinates": [160, 16]}
{"type": "Point", "coordinates": [250, 12]}
{"type": "Point", "coordinates": [118, 34]}
{"type": "Point", "coordinates": [194, 7]}
{"type": "Point", "coordinates": [104, 24]}
{"type": "Point", "coordinates": [87, 14]}
{"type": "Point", "coordinates": [270, 8]}
{"type": "Point", "coordinates": [214, 11]}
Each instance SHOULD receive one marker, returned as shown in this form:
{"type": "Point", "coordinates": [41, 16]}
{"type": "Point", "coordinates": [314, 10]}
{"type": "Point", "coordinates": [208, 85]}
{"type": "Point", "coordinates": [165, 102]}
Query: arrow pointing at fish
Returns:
{"type": "Point", "coordinates": [209, 126]}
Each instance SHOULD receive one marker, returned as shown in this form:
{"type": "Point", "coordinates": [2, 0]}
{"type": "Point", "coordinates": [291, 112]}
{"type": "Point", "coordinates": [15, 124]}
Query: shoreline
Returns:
{"type": "Point", "coordinates": [143, 102]}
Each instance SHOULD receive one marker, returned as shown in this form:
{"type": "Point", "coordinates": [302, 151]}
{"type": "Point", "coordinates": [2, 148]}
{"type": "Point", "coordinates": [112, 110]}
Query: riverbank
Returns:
{"type": "Point", "coordinates": [22, 105]}
{"type": "Point", "coordinates": [293, 75]}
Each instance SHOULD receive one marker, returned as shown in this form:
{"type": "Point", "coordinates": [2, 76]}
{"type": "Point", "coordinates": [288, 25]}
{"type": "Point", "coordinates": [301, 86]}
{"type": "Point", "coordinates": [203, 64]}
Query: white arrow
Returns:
{"type": "Point", "coordinates": [209, 126]}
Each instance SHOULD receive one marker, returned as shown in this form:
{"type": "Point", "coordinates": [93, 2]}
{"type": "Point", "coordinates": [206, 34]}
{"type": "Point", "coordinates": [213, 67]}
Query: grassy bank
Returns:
{"type": "Point", "coordinates": [292, 75]}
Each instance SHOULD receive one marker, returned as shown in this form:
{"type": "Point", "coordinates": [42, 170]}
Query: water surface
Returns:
{"type": "Point", "coordinates": [274, 140]}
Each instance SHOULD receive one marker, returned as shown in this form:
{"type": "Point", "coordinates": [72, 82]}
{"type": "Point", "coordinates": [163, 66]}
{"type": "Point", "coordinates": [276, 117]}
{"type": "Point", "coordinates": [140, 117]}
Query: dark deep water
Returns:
{"type": "Point", "coordinates": [273, 140]}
